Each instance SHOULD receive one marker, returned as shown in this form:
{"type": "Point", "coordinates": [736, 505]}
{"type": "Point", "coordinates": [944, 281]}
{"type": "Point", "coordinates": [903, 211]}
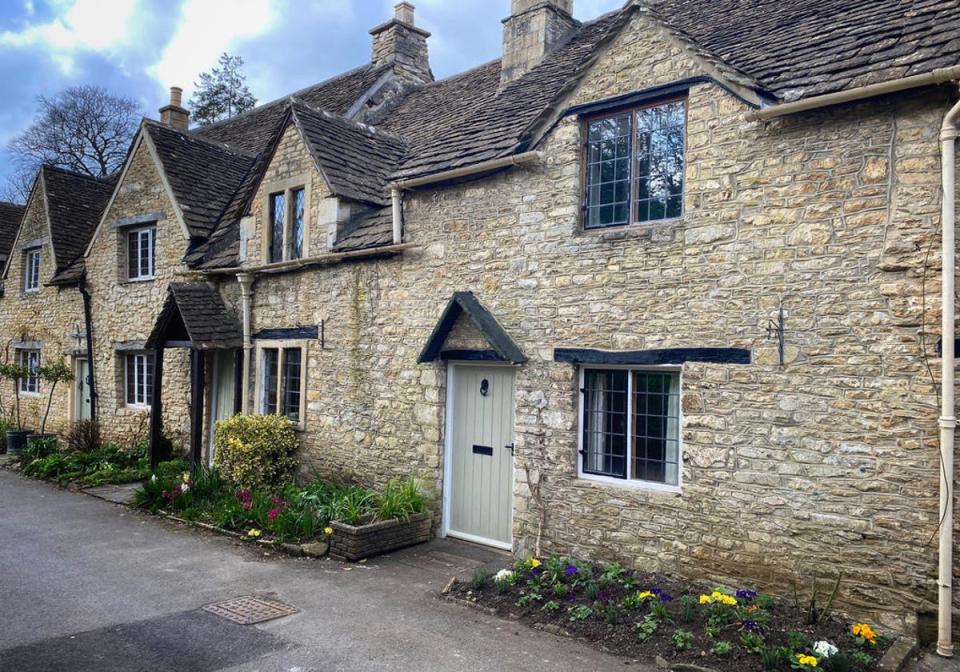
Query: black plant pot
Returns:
{"type": "Point", "coordinates": [17, 441]}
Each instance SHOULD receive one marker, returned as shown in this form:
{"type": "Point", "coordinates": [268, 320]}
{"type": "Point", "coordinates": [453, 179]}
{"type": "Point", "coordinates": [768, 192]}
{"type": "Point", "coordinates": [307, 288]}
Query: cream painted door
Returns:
{"type": "Point", "coordinates": [481, 455]}
{"type": "Point", "coordinates": [82, 381]}
{"type": "Point", "coordinates": [224, 390]}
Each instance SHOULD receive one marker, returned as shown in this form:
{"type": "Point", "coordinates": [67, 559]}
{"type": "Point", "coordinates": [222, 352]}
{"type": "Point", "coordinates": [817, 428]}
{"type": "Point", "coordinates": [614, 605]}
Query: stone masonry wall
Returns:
{"type": "Point", "coordinates": [124, 312]}
{"type": "Point", "coordinates": [48, 316]}
{"type": "Point", "coordinates": [827, 464]}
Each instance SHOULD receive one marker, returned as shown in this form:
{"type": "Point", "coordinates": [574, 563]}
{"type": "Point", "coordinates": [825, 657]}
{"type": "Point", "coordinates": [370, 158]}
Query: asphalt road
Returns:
{"type": "Point", "coordinates": [87, 586]}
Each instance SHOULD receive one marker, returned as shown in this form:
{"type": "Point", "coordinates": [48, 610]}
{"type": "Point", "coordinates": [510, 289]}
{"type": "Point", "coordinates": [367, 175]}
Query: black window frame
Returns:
{"type": "Point", "coordinates": [586, 121]}
{"type": "Point", "coordinates": [279, 368]}
{"type": "Point", "coordinates": [629, 423]}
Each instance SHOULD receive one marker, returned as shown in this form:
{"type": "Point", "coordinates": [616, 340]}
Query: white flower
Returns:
{"type": "Point", "coordinates": [153, 478]}
{"type": "Point", "coordinates": [184, 488]}
{"type": "Point", "coordinates": [824, 649]}
{"type": "Point", "coordinates": [503, 575]}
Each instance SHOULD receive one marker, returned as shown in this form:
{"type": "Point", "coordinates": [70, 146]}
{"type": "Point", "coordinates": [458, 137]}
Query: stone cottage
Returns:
{"type": "Point", "coordinates": [43, 305]}
{"type": "Point", "coordinates": [662, 287]}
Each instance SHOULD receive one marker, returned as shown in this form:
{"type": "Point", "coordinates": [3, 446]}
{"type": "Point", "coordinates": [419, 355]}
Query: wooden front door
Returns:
{"type": "Point", "coordinates": [480, 451]}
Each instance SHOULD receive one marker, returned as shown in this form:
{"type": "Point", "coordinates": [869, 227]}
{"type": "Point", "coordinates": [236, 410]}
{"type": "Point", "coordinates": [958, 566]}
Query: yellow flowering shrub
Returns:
{"type": "Point", "coordinates": [256, 450]}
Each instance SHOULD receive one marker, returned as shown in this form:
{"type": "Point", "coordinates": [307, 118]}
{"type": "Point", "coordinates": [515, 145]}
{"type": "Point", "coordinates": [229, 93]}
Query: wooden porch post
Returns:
{"type": "Point", "coordinates": [197, 378]}
{"type": "Point", "coordinates": [156, 415]}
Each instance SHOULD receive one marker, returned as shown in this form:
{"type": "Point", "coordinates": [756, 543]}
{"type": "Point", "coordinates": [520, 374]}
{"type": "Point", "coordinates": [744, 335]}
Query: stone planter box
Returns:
{"type": "Point", "coordinates": [356, 543]}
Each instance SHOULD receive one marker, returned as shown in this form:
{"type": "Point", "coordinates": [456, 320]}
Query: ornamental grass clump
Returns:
{"type": "Point", "coordinates": [256, 450]}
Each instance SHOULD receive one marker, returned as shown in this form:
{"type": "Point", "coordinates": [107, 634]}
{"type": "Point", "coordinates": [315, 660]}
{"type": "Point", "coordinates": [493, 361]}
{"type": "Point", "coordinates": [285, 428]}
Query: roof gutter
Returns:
{"type": "Point", "coordinates": [937, 76]}
{"type": "Point", "coordinates": [523, 159]}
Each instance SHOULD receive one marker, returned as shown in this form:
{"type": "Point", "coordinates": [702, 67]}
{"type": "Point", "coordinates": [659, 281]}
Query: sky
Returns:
{"type": "Point", "coordinates": [140, 48]}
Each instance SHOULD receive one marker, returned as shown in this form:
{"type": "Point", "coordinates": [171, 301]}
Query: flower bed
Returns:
{"type": "Point", "coordinates": [292, 513]}
{"type": "Point", "coordinates": [648, 616]}
{"type": "Point", "coordinates": [105, 464]}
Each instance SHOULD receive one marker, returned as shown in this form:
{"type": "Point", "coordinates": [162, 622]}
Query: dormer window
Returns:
{"type": "Point", "coordinates": [141, 253]}
{"type": "Point", "coordinates": [286, 230]}
{"type": "Point", "coordinates": [635, 165]}
{"type": "Point", "coordinates": [31, 270]}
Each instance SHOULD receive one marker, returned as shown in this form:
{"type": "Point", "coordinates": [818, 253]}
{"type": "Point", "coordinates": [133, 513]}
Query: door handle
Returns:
{"type": "Point", "coordinates": [509, 447]}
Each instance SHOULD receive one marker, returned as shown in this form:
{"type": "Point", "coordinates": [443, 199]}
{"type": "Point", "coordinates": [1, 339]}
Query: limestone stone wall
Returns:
{"type": "Point", "coordinates": [49, 317]}
{"type": "Point", "coordinates": [827, 464]}
{"type": "Point", "coordinates": [124, 312]}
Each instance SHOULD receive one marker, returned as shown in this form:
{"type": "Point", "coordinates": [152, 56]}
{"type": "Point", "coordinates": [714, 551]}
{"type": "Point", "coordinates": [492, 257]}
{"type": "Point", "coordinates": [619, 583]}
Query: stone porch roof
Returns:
{"type": "Point", "coordinates": [202, 314]}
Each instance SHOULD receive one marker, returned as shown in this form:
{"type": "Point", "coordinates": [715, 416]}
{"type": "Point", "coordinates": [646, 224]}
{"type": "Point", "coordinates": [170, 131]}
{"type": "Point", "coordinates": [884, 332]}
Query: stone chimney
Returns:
{"type": "Point", "coordinates": [531, 31]}
{"type": "Point", "coordinates": [400, 42]}
{"type": "Point", "coordinates": [174, 114]}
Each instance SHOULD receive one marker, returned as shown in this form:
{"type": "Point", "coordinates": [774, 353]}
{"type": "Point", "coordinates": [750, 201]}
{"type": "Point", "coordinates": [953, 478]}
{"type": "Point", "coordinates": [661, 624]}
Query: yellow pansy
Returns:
{"type": "Point", "coordinates": [328, 531]}
{"type": "Point", "coordinates": [253, 534]}
{"type": "Point", "coordinates": [534, 563]}
{"type": "Point", "coordinates": [808, 661]}
{"type": "Point", "coordinates": [644, 595]}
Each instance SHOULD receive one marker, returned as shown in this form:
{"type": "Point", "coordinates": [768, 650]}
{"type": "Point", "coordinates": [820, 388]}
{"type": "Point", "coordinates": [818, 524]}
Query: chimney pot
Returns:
{"type": "Point", "coordinates": [404, 12]}
{"type": "Point", "coordinates": [174, 114]}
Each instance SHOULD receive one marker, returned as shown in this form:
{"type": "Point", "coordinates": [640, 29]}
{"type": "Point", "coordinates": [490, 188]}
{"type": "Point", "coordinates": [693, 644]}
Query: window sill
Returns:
{"type": "Point", "coordinates": [135, 280]}
{"type": "Point", "coordinates": [651, 486]}
{"type": "Point", "coordinates": [31, 395]}
{"type": "Point", "coordinates": [659, 229]}
{"type": "Point", "coordinates": [137, 407]}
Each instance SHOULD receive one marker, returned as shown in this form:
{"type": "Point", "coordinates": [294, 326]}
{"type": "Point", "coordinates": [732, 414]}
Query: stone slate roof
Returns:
{"type": "Point", "coordinates": [208, 322]}
{"type": "Point", "coordinates": [76, 203]}
{"type": "Point", "coordinates": [368, 229]}
{"type": "Point", "coordinates": [801, 48]}
{"type": "Point", "coordinates": [10, 216]}
{"type": "Point", "coordinates": [470, 118]}
{"type": "Point", "coordinates": [782, 49]}
{"type": "Point", "coordinates": [203, 175]}
{"type": "Point", "coordinates": [355, 159]}
{"type": "Point", "coordinates": [252, 131]}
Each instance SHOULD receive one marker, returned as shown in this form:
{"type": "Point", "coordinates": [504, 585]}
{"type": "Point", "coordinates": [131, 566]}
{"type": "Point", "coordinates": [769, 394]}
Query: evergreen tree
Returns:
{"type": "Point", "coordinates": [221, 93]}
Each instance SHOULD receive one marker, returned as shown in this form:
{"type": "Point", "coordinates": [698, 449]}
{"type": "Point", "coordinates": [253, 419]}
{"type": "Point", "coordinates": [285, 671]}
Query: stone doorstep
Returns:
{"type": "Point", "coordinates": [894, 660]}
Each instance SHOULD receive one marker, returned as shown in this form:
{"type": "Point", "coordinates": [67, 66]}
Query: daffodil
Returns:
{"type": "Point", "coordinates": [253, 534]}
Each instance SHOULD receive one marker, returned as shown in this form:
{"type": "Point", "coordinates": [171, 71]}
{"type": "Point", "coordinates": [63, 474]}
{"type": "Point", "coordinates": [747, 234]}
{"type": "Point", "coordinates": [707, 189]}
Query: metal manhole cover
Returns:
{"type": "Point", "coordinates": [251, 609]}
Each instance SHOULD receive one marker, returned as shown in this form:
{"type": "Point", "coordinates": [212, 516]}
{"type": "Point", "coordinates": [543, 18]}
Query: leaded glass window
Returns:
{"type": "Point", "coordinates": [297, 224]}
{"type": "Point", "coordinates": [631, 425]}
{"type": "Point", "coordinates": [278, 212]}
{"type": "Point", "coordinates": [635, 166]}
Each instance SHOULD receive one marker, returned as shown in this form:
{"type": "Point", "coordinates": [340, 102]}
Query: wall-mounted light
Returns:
{"type": "Point", "coordinates": [484, 387]}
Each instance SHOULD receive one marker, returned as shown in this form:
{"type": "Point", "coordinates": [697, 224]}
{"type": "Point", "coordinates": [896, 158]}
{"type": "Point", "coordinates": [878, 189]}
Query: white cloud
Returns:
{"type": "Point", "coordinates": [78, 26]}
{"type": "Point", "coordinates": [205, 30]}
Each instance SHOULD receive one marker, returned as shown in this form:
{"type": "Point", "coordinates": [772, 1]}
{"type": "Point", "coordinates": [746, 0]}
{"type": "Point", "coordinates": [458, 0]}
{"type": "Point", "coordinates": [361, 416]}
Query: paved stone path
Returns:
{"type": "Point", "coordinates": [91, 586]}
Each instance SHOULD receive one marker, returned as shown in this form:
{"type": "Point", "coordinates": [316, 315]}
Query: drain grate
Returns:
{"type": "Point", "coordinates": [251, 609]}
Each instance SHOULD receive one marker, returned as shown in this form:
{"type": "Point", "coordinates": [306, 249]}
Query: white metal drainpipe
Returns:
{"type": "Point", "coordinates": [246, 296]}
{"type": "Point", "coordinates": [948, 421]}
{"type": "Point", "coordinates": [396, 198]}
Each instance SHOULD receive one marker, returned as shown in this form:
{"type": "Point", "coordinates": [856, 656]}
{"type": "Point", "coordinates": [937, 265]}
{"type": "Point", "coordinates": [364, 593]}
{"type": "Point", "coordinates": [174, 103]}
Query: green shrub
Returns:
{"type": "Point", "coordinates": [256, 450]}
